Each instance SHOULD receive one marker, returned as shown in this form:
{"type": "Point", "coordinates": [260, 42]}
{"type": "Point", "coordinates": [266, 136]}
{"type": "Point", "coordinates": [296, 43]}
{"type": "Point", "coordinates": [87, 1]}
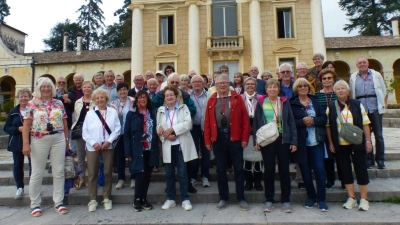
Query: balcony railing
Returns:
{"type": "Point", "coordinates": [225, 43]}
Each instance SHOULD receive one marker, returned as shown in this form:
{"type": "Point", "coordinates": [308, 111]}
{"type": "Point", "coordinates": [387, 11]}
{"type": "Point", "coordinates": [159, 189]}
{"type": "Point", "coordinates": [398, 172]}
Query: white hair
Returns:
{"type": "Point", "coordinates": [138, 75]}
{"type": "Point", "coordinates": [184, 77]}
{"type": "Point", "coordinates": [301, 63]}
{"type": "Point", "coordinates": [40, 82]}
{"type": "Point", "coordinates": [222, 76]}
{"type": "Point", "coordinates": [172, 75]}
{"type": "Point", "coordinates": [119, 75]}
{"type": "Point", "coordinates": [151, 79]}
{"type": "Point", "coordinates": [285, 65]}
{"type": "Point", "coordinates": [202, 79]}
{"type": "Point", "coordinates": [341, 82]}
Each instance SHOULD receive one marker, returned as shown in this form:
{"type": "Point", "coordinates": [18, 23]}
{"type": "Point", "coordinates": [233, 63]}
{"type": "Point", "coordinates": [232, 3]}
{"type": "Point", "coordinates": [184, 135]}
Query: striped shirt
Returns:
{"type": "Point", "coordinates": [271, 111]}
{"type": "Point", "coordinates": [325, 98]}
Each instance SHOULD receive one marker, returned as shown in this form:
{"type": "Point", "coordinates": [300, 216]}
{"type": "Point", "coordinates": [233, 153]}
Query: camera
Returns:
{"type": "Point", "coordinates": [224, 122]}
{"type": "Point", "coordinates": [49, 127]}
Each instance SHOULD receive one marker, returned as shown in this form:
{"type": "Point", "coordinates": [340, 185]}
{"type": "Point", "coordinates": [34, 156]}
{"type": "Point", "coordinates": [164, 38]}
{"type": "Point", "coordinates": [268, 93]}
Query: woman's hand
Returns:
{"type": "Point", "coordinates": [167, 132]}
{"type": "Point", "coordinates": [308, 121]}
{"type": "Point", "coordinates": [20, 129]}
{"type": "Point", "coordinates": [105, 145]}
{"type": "Point", "coordinates": [332, 148]}
{"type": "Point", "coordinates": [293, 148]}
{"type": "Point", "coordinates": [97, 146]}
{"type": "Point", "coordinates": [160, 131]}
{"type": "Point", "coordinates": [66, 145]}
{"type": "Point", "coordinates": [171, 137]}
{"type": "Point", "coordinates": [368, 147]}
{"type": "Point", "coordinates": [26, 150]}
{"type": "Point", "coordinates": [257, 147]}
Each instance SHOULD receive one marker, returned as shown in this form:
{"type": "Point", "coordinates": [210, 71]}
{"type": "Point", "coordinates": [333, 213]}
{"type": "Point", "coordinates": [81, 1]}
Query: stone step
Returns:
{"type": "Point", "coordinates": [378, 190]}
{"type": "Point", "coordinates": [392, 113]}
{"type": "Point", "coordinates": [392, 171]}
{"type": "Point", "coordinates": [391, 122]}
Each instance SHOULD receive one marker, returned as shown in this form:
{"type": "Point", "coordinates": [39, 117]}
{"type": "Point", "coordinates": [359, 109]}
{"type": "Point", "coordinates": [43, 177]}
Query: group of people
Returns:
{"type": "Point", "coordinates": [183, 117]}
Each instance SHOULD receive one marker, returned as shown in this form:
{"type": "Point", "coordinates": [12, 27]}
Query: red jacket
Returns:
{"type": "Point", "coordinates": [239, 120]}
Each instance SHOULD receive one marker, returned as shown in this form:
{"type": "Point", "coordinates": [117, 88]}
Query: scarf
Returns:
{"type": "Point", "coordinates": [249, 103]}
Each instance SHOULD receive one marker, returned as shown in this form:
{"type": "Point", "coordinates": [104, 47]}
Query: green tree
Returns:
{"type": "Point", "coordinates": [125, 26]}
{"type": "Point", "coordinates": [55, 40]}
{"type": "Point", "coordinates": [92, 20]}
{"type": "Point", "coordinates": [371, 17]}
{"type": "Point", "coordinates": [4, 9]}
{"type": "Point", "coordinates": [112, 37]}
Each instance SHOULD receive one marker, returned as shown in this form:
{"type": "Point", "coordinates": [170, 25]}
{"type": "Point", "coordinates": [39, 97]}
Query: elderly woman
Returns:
{"type": "Point", "coordinates": [141, 146]}
{"type": "Point", "coordinates": [98, 79]}
{"type": "Point", "coordinates": [238, 83]}
{"type": "Point", "coordinates": [13, 127]}
{"type": "Point", "coordinates": [46, 122]}
{"type": "Point", "coordinates": [325, 96]}
{"type": "Point", "coordinates": [353, 112]}
{"type": "Point", "coordinates": [100, 128]}
{"type": "Point", "coordinates": [184, 81]}
{"type": "Point", "coordinates": [272, 108]}
{"type": "Point", "coordinates": [253, 171]}
{"type": "Point", "coordinates": [329, 65]}
{"type": "Point", "coordinates": [160, 77]}
{"type": "Point", "coordinates": [82, 106]}
{"type": "Point", "coordinates": [122, 105]}
{"type": "Point", "coordinates": [266, 75]}
{"type": "Point", "coordinates": [173, 126]}
{"type": "Point", "coordinates": [310, 120]}
{"type": "Point", "coordinates": [301, 72]}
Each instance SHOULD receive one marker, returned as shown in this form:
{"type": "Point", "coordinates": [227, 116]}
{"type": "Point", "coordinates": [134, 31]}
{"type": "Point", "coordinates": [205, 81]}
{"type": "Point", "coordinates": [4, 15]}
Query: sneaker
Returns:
{"type": "Point", "coordinates": [323, 207]}
{"type": "Point", "coordinates": [205, 181]}
{"type": "Point", "coordinates": [268, 207]}
{"type": "Point", "coordinates": [92, 205]}
{"type": "Point", "coordinates": [222, 205]}
{"type": "Point", "coordinates": [107, 204]}
{"type": "Point", "coordinates": [287, 208]}
{"type": "Point", "coordinates": [309, 203]}
{"type": "Point", "coordinates": [248, 186]}
{"type": "Point", "coordinates": [120, 184]}
{"type": "Point", "coordinates": [350, 203]}
{"type": "Point", "coordinates": [191, 189]}
{"type": "Point", "coordinates": [137, 205]}
{"type": "Point", "coordinates": [186, 205]}
{"type": "Point", "coordinates": [133, 183]}
{"type": "Point", "coordinates": [243, 206]}
{"type": "Point", "coordinates": [193, 181]}
{"type": "Point", "coordinates": [146, 205]}
{"type": "Point", "coordinates": [301, 186]}
{"type": "Point", "coordinates": [19, 194]}
{"type": "Point", "coordinates": [364, 205]}
{"type": "Point", "coordinates": [258, 186]}
{"type": "Point", "coordinates": [328, 186]}
{"type": "Point", "coordinates": [168, 204]}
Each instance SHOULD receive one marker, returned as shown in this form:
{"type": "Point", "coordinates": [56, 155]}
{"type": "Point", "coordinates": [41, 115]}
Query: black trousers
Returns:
{"type": "Point", "coordinates": [142, 181]}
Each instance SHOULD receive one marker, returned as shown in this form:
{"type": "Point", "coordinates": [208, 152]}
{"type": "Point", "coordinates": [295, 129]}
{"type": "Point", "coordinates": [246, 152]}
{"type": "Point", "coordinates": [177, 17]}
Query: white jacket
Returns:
{"type": "Point", "coordinates": [379, 85]}
{"type": "Point", "coordinates": [92, 131]}
{"type": "Point", "coordinates": [182, 129]}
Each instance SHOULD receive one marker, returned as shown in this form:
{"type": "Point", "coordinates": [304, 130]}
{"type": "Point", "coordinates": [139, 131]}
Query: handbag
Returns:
{"type": "Point", "coordinates": [267, 134]}
{"type": "Point", "coordinates": [76, 132]}
{"type": "Point", "coordinates": [115, 142]}
{"type": "Point", "coordinates": [250, 154]}
{"type": "Point", "coordinates": [70, 167]}
{"type": "Point", "coordinates": [349, 132]}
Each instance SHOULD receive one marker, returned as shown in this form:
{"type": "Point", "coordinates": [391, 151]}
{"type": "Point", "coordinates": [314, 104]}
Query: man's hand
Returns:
{"type": "Point", "coordinates": [244, 144]}
{"type": "Point", "coordinates": [66, 99]}
{"type": "Point", "coordinates": [209, 147]}
{"type": "Point", "coordinates": [293, 148]}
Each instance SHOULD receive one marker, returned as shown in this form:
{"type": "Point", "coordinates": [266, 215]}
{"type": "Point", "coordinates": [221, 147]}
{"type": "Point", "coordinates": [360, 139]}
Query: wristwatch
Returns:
{"type": "Point", "coordinates": [67, 139]}
{"type": "Point", "coordinates": [368, 142]}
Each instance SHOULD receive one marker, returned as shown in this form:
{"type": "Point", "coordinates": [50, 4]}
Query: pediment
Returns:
{"type": "Point", "coordinates": [286, 49]}
{"type": "Point", "coordinates": [166, 7]}
{"type": "Point", "coordinates": [166, 54]}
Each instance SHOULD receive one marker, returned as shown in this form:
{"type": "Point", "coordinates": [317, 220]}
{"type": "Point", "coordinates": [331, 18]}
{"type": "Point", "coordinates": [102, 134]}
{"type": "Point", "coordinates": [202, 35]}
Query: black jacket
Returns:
{"type": "Point", "coordinates": [69, 107]}
{"type": "Point", "coordinates": [132, 92]}
{"type": "Point", "coordinates": [13, 122]}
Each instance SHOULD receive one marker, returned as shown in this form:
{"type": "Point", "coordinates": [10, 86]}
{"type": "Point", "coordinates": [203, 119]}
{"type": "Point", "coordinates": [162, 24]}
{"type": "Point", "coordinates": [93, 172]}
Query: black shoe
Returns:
{"type": "Point", "coordinates": [301, 186]}
{"type": "Point", "coordinates": [137, 205]}
{"type": "Point", "coordinates": [115, 170]}
{"type": "Point", "coordinates": [248, 186]}
{"type": "Point", "coordinates": [146, 205]}
{"type": "Point", "coordinates": [329, 185]}
{"type": "Point", "coordinates": [381, 164]}
{"type": "Point", "coordinates": [191, 189]}
{"type": "Point", "coordinates": [258, 186]}
{"type": "Point", "coordinates": [370, 164]}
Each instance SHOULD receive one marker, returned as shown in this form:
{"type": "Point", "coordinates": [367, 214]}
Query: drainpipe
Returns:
{"type": "Point", "coordinates": [33, 74]}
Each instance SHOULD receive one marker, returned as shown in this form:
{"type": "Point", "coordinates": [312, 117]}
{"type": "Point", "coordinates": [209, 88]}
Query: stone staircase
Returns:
{"type": "Point", "coordinates": [391, 118]}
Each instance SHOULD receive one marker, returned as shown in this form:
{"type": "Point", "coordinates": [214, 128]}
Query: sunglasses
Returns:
{"type": "Point", "coordinates": [327, 78]}
{"type": "Point", "coordinates": [174, 82]}
{"type": "Point", "coordinates": [303, 86]}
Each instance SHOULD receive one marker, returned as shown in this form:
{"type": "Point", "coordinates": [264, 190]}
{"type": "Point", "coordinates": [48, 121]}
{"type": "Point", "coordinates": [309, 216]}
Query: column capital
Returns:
{"type": "Point", "coordinates": [196, 2]}
{"type": "Point", "coordinates": [135, 5]}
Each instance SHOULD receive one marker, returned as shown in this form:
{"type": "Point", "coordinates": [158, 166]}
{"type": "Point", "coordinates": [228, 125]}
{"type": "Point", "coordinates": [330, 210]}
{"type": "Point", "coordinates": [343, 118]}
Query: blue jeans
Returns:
{"type": "Point", "coordinates": [18, 170]}
{"type": "Point", "coordinates": [120, 155]}
{"type": "Point", "coordinates": [198, 139]}
{"type": "Point", "coordinates": [376, 127]}
{"type": "Point", "coordinates": [176, 160]}
{"type": "Point", "coordinates": [221, 147]}
{"type": "Point", "coordinates": [315, 162]}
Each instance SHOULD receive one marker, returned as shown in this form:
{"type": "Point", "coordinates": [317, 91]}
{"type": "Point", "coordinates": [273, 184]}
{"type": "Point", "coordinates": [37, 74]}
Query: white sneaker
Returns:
{"type": "Point", "coordinates": [107, 204]}
{"type": "Point", "coordinates": [194, 182]}
{"type": "Point", "coordinates": [92, 205]}
{"type": "Point", "coordinates": [205, 181]}
{"type": "Point", "coordinates": [19, 194]}
{"type": "Point", "coordinates": [187, 205]}
{"type": "Point", "coordinates": [133, 183]}
{"type": "Point", "coordinates": [364, 205]}
{"type": "Point", "coordinates": [120, 184]}
{"type": "Point", "coordinates": [168, 204]}
{"type": "Point", "coordinates": [350, 203]}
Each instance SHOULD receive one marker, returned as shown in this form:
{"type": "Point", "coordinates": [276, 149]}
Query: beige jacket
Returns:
{"type": "Point", "coordinates": [77, 109]}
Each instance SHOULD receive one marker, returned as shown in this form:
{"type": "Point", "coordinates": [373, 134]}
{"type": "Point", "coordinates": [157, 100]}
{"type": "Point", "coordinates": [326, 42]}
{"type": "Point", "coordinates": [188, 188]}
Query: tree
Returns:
{"type": "Point", "coordinates": [4, 9]}
{"type": "Point", "coordinates": [112, 37]}
{"type": "Point", "coordinates": [55, 40]}
{"type": "Point", "coordinates": [125, 20]}
{"type": "Point", "coordinates": [92, 20]}
{"type": "Point", "coordinates": [371, 17]}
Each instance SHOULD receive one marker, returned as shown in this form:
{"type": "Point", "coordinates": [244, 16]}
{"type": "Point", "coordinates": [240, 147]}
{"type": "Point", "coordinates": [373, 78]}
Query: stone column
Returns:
{"type": "Point", "coordinates": [194, 36]}
{"type": "Point", "coordinates": [257, 56]}
{"type": "Point", "coordinates": [318, 37]}
{"type": "Point", "coordinates": [137, 40]}
{"type": "Point", "coordinates": [395, 26]}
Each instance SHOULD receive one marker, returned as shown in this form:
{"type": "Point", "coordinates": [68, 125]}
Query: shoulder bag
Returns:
{"type": "Point", "coordinates": [349, 132]}
{"type": "Point", "coordinates": [250, 154]}
{"type": "Point", "coordinates": [76, 132]}
{"type": "Point", "coordinates": [115, 142]}
{"type": "Point", "coordinates": [267, 133]}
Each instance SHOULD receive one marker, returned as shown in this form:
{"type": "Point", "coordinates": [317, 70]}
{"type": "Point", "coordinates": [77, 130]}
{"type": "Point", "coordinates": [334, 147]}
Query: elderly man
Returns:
{"type": "Point", "coordinates": [152, 87]}
{"type": "Point", "coordinates": [253, 71]}
{"type": "Point", "coordinates": [227, 129]}
{"type": "Point", "coordinates": [68, 101]}
{"type": "Point", "coordinates": [138, 80]}
{"type": "Point", "coordinates": [301, 70]}
{"type": "Point", "coordinates": [76, 90]}
{"type": "Point", "coordinates": [200, 97]}
{"type": "Point", "coordinates": [110, 86]}
{"type": "Point", "coordinates": [98, 79]}
{"type": "Point", "coordinates": [191, 73]}
{"type": "Point", "coordinates": [148, 75]}
{"type": "Point", "coordinates": [285, 70]}
{"type": "Point", "coordinates": [367, 85]}
{"type": "Point", "coordinates": [119, 79]}
{"type": "Point", "coordinates": [318, 60]}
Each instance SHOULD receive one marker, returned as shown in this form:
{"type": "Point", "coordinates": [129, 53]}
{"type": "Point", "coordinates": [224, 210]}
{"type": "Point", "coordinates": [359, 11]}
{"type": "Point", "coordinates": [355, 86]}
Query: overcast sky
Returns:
{"type": "Point", "coordinates": [37, 17]}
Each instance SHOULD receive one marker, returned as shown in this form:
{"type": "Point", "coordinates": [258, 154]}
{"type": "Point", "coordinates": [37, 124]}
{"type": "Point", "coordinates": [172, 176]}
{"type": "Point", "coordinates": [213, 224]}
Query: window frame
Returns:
{"type": "Point", "coordinates": [158, 18]}
{"type": "Point", "coordinates": [279, 7]}
{"type": "Point", "coordinates": [237, 20]}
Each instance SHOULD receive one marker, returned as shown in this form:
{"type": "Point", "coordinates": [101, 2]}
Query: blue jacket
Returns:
{"type": "Point", "coordinates": [261, 89]}
{"type": "Point", "coordinates": [13, 122]}
{"type": "Point", "coordinates": [183, 98]}
{"type": "Point", "coordinates": [298, 109]}
{"type": "Point", "coordinates": [133, 133]}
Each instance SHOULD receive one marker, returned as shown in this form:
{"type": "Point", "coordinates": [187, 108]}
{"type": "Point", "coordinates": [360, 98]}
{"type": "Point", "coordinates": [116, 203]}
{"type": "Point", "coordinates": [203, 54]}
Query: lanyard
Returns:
{"type": "Point", "coordinates": [326, 98]}
{"type": "Point", "coordinates": [122, 106]}
{"type": "Point", "coordinates": [195, 98]}
{"type": "Point", "coordinates": [223, 103]}
{"type": "Point", "coordinates": [347, 114]}
{"type": "Point", "coordinates": [173, 115]}
{"type": "Point", "coordinates": [277, 108]}
{"type": "Point", "coordinates": [250, 105]}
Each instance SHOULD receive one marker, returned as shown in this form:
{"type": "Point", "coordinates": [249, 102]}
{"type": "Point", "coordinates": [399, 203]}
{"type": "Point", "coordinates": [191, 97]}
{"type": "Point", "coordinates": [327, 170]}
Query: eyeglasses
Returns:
{"type": "Point", "coordinates": [327, 78]}
{"type": "Point", "coordinates": [174, 82]}
{"type": "Point", "coordinates": [286, 72]}
{"type": "Point", "coordinates": [250, 84]}
{"type": "Point", "coordinates": [61, 82]}
{"type": "Point", "coordinates": [303, 86]}
{"type": "Point", "coordinates": [222, 83]}
{"type": "Point", "coordinates": [302, 69]}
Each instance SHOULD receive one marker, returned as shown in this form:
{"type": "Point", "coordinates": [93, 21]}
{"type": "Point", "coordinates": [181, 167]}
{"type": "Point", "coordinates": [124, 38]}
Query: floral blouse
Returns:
{"type": "Point", "coordinates": [43, 112]}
